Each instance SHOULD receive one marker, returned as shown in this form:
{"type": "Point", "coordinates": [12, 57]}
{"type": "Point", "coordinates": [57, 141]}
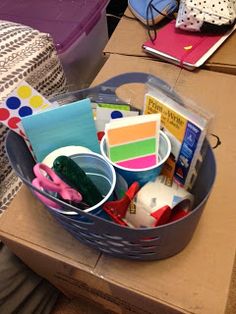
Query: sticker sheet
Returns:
{"type": "Point", "coordinates": [23, 101]}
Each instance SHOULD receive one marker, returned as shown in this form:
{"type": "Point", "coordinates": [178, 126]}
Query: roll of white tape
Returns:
{"type": "Point", "coordinates": [154, 196]}
{"type": "Point", "coordinates": [66, 151]}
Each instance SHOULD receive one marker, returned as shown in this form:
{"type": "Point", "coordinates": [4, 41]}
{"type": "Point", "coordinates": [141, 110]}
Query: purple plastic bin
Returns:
{"type": "Point", "coordinates": [78, 28]}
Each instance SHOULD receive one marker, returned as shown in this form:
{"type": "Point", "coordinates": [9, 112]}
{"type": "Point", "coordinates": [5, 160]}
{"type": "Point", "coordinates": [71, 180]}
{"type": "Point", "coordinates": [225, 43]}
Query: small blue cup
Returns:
{"type": "Point", "coordinates": [103, 176]}
{"type": "Point", "coordinates": [143, 175]}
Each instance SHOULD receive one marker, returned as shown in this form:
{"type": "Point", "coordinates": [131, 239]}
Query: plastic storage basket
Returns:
{"type": "Point", "coordinates": [104, 235]}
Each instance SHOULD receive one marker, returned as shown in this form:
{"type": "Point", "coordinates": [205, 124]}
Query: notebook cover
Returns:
{"type": "Point", "coordinates": [186, 47]}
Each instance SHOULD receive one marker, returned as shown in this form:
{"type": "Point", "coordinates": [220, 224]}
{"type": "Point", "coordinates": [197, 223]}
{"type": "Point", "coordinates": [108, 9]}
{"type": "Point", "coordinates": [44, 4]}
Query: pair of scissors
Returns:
{"type": "Point", "coordinates": [47, 180]}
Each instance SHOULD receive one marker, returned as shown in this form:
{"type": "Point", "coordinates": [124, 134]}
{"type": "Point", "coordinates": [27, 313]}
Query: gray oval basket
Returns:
{"type": "Point", "coordinates": [104, 235]}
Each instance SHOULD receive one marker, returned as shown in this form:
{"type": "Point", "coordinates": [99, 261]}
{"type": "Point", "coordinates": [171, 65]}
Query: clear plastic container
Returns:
{"type": "Point", "coordinates": [78, 28]}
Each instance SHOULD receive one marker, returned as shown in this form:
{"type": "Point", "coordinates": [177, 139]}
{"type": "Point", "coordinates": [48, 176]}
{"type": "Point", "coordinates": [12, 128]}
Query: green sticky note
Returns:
{"type": "Point", "coordinates": [114, 106]}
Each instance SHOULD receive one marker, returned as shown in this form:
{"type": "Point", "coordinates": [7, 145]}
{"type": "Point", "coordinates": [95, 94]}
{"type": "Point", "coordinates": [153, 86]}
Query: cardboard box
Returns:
{"type": "Point", "coordinates": [130, 34]}
{"type": "Point", "coordinates": [197, 280]}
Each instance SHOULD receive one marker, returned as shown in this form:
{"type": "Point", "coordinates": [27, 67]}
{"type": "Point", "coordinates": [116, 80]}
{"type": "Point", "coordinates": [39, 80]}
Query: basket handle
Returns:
{"type": "Point", "coordinates": [130, 77]}
{"type": "Point", "coordinates": [110, 86]}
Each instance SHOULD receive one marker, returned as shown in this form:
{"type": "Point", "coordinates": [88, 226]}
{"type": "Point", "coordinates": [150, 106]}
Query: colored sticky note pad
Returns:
{"type": "Point", "coordinates": [130, 133]}
{"type": "Point", "coordinates": [71, 124]}
{"type": "Point", "coordinates": [131, 150]}
{"type": "Point", "coordinates": [133, 142]}
{"type": "Point", "coordinates": [114, 106]}
{"type": "Point", "coordinates": [146, 162]}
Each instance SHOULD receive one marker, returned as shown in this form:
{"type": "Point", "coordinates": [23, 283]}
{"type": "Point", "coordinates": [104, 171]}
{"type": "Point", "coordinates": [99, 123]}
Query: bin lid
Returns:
{"type": "Point", "coordinates": [64, 20]}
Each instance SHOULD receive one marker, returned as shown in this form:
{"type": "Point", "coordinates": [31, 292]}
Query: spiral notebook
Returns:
{"type": "Point", "coordinates": [187, 49]}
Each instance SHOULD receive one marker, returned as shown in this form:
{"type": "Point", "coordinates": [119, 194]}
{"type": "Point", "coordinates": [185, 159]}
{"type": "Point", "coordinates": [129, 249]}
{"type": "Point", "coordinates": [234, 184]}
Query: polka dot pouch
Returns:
{"type": "Point", "coordinates": [206, 15]}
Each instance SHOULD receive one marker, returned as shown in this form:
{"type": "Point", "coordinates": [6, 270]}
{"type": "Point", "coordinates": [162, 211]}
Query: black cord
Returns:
{"type": "Point", "coordinates": [218, 141]}
{"type": "Point", "coordinates": [165, 15]}
{"type": "Point", "coordinates": [152, 27]}
{"type": "Point", "coordinates": [129, 17]}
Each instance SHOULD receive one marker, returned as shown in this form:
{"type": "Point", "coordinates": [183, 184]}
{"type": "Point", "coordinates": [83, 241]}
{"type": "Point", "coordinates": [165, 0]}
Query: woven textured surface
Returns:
{"type": "Point", "coordinates": [25, 54]}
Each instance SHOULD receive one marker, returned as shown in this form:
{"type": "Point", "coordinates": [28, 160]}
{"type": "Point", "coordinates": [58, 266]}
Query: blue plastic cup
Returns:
{"type": "Point", "coordinates": [102, 174]}
{"type": "Point", "coordinates": [143, 175]}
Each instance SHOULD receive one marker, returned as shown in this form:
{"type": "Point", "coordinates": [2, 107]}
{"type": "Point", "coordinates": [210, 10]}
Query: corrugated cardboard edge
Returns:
{"type": "Point", "coordinates": [122, 42]}
{"type": "Point", "coordinates": [84, 281]}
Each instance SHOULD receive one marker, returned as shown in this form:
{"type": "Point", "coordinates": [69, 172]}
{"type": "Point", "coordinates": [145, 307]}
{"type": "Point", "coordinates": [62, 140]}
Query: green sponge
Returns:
{"type": "Point", "coordinates": [74, 176]}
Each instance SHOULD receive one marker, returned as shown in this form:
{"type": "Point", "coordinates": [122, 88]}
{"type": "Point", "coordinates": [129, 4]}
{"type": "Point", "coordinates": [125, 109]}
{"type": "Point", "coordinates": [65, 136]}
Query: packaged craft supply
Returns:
{"type": "Point", "coordinates": [187, 126]}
